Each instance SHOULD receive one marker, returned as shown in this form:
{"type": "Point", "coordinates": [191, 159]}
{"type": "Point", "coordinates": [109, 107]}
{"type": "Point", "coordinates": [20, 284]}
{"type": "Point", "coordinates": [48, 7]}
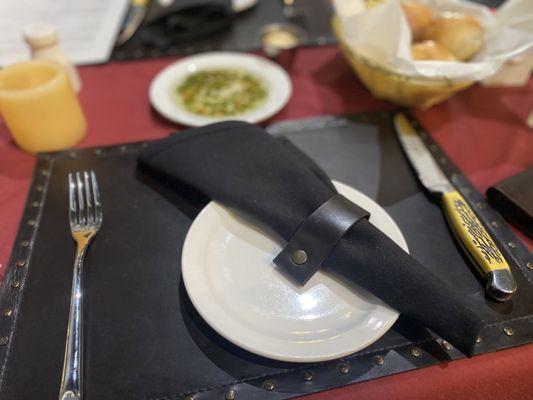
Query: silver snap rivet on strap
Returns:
{"type": "Point", "coordinates": [3, 340]}
{"type": "Point", "coordinates": [35, 204]}
{"type": "Point", "coordinates": [379, 360]}
{"type": "Point", "coordinates": [529, 265]}
{"type": "Point", "coordinates": [31, 222]}
{"type": "Point", "coordinates": [15, 284]}
{"type": "Point", "coordinates": [8, 312]}
{"type": "Point", "coordinates": [25, 243]}
{"type": "Point", "coordinates": [308, 376]}
{"type": "Point", "coordinates": [39, 188]}
{"type": "Point", "coordinates": [21, 263]}
{"type": "Point", "coordinates": [189, 397]}
{"type": "Point", "coordinates": [269, 385]}
{"type": "Point", "coordinates": [230, 395]}
{"type": "Point", "coordinates": [478, 339]}
{"type": "Point", "coordinates": [416, 352]}
{"type": "Point", "coordinates": [299, 257]}
{"type": "Point", "coordinates": [512, 244]}
{"type": "Point", "coordinates": [495, 224]}
{"type": "Point", "coordinates": [508, 331]}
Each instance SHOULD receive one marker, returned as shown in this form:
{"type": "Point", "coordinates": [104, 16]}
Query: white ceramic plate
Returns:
{"type": "Point", "coordinates": [231, 280]}
{"type": "Point", "coordinates": [164, 99]}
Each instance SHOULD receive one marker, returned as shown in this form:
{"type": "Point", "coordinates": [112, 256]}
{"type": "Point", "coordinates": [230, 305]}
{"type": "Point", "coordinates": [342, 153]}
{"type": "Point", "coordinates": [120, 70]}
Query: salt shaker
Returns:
{"type": "Point", "coordinates": [43, 41]}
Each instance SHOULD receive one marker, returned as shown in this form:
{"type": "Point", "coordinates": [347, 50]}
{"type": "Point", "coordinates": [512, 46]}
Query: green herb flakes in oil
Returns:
{"type": "Point", "coordinates": [221, 92]}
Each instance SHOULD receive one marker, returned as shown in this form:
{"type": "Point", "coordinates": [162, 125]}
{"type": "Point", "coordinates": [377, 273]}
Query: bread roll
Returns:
{"type": "Point", "coordinates": [430, 50]}
{"type": "Point", "coordinates": [461, 34]}
{"type": "Point", "coordinates": [419, 17]}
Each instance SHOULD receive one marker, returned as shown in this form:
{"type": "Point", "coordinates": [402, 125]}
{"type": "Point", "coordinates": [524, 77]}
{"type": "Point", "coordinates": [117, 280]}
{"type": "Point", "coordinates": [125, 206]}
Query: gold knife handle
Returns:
{"type": "Point", "coordinates": [480, 246]}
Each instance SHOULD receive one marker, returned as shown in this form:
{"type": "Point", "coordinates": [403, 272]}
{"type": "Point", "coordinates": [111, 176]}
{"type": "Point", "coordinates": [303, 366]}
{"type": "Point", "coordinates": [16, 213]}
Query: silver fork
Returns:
{"type": "Point", "coordinates": [85, 215]}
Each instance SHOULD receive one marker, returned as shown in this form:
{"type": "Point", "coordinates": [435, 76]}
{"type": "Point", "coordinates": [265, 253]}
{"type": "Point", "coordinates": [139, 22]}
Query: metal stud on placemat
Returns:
{"type": "Point", "coordinates": [447, 346]}
{"type": "Point", "coordinates": [308, 376]}
{"type": "Point", "coordinates": [3, 340]}
{"type": "Point", "coordinates": [21, 263]}
{"type": "Point", "coordinates": [344, 368]}
{"type": "Point", "coordinates": [230, 394]}
{"type": "Point", "coordinates": [478, 340]}
{"type": "Point", "coordinates": [15, 284]}
{"type": "Point", "coordinates": [508, 331]}
{"type": "Point", "coordinates": [379, 360]}
{"type": "Point", "coordinates": [189, 397]}
{"type": "Point", "coordinates": [8, 312]}
{"type": "Point", "coordinates": [415, 352]}
{"type": "Point", "coordinates": [269, 385]}
{"type": "Point", "coordinates": [512, 244]}
{"type": "Point", "coordinates": [529, 265]}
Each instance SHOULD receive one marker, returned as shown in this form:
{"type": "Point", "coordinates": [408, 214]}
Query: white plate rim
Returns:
{"type": "Point", "coordinates": [171, 111]}
{"type": "Point", "coordinates": [243, 5]}
{"type": "Point", "coordinates": [271, 354]}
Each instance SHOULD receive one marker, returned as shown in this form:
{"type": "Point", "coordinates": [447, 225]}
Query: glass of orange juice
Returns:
{"type": "Point", "coordinates": [40, 107]}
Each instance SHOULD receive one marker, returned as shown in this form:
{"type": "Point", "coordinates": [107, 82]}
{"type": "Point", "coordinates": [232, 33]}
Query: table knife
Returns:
{"type": "Point", "coordinates": [470, 232]}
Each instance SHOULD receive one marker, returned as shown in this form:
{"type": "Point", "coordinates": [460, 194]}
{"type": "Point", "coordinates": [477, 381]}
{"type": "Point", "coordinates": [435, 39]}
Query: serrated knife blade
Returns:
{"type": "Point", "coordinates": [469, 230]}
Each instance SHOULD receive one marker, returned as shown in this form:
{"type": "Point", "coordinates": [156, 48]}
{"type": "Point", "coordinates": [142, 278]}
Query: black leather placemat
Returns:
{"type": "Point", "coordinates": [313, 17]}
{"type": "Point", "coordinates": [144, 340]}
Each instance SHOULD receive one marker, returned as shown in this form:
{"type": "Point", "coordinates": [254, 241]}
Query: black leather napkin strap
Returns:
{"type": "Point", "coordinates": [316, 236]}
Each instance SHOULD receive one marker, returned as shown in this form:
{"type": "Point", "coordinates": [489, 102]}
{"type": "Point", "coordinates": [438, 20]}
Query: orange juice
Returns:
{"type": "Point", "coordinates": [40, 107]}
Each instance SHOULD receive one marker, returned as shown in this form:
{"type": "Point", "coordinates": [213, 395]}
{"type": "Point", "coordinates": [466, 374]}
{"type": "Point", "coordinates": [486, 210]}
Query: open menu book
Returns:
{"type": "Point", "coordinates": [87, 28]}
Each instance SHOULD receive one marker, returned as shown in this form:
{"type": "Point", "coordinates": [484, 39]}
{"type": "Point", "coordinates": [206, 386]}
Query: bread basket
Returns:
{"type": "Point", "coordinates": [386, 84]}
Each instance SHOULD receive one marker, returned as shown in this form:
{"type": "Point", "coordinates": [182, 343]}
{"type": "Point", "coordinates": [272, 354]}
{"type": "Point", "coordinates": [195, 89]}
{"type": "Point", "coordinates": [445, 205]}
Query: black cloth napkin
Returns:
{"type": "Point", "coordinates": [185, 21]}
{"type": "Point", "coordinates": [244, 167]}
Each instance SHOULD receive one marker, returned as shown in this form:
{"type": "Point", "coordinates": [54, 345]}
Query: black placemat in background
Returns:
{"type": "Point", "coordinates": [313, 16]}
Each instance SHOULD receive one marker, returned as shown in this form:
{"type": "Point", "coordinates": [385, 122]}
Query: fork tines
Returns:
{"type": "Point", "coordinates": [85, 209]}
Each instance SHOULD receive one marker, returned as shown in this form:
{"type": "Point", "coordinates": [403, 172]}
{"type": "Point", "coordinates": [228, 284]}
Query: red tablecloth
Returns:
{"type": "Point", "coordinates": [483, 130]}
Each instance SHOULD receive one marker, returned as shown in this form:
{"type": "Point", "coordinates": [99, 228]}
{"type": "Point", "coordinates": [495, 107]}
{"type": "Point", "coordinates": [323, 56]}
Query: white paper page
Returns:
{"type": "Point", "coordinates": [87, 28]}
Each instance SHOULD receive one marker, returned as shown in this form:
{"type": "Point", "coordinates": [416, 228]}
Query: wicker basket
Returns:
{"type": "Point", "coordinates": [386, 84]}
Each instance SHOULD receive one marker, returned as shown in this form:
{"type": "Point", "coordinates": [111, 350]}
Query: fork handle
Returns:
{"type": "Point", "coordinates": [71, 379]}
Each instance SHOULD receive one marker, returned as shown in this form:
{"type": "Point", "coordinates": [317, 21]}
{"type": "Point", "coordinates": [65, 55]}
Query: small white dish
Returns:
{"type": "Point", "coordinates": [232, 282]}
{"type": "Point", "coordinates": [242, 5]}
{"type": "Point", "coordinates": [165, 100]}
